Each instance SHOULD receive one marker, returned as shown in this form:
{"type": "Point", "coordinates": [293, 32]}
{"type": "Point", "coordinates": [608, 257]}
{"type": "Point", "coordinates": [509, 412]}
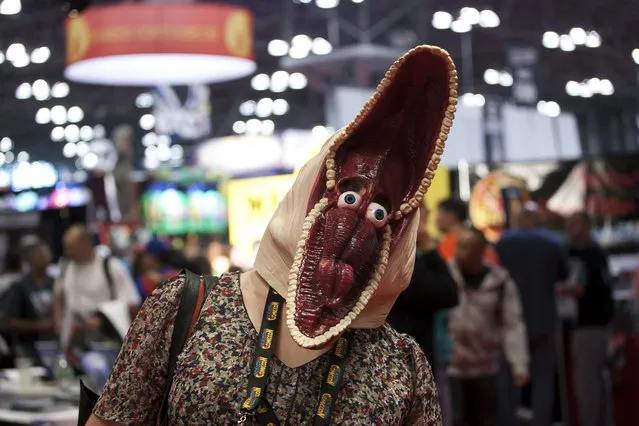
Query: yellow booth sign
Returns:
{"type": "Point", "coordinates": [251, 204]}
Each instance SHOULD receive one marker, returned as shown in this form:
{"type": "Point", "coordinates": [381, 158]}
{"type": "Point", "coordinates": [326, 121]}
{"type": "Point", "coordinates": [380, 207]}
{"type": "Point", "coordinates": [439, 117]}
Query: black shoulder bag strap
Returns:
{"type": "Point", "coordinates": [196, 290]}
{"type": "Point", "coordinates": [109, 277]}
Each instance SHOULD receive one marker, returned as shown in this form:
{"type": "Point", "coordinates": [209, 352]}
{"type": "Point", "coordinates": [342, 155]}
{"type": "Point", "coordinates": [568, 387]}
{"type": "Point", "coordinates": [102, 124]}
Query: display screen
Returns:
{"type": "Point", "coordinates": [170, 209]}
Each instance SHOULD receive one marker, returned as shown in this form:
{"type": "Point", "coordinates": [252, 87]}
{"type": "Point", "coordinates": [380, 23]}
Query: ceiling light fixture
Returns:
{"type": "Point", "coordinates": [147, 122]}
{"type": "Point", "coordinates": [6, 144]}
{"type": "Point", "coordinates": [60, 90]}
{"type": "Point", "coordinates": [144, 100]}
{"type": "Point", "coordinates": [57, 134]}
{"type": "Point", "coordinates": [635, 56]}
{"type": "Point", "coordinates": [590, 87]}
{"type": "Point", "coordinates": [297, 81]}
{"type": "Point", "coordinates": [327, 4]}
{"type": "Point", "coordinates": [239, 127]}
{"type": "Point", "coordinates": [260, 82]}
{"type": "Point", "coordinates": [41, 90]}
{"type": "Point", "coordinates": [23, 91]}
{"type": "Point", "coordinates": [473, 100]}
{"type": "Point", "coordinates": [321, 46]}
{"type": "Point", "coordinates": [75, 114]}
{"type": "Point", "coordinates": [442, 20]}
{"type": "Point", "coordinates": [40, 55]}
{"type": "Point", "coordinates": [43, 116]}
{"type": "Point", "coordinates": [549, 108]}
{"type": "Point", "coordinates": [277, 47]}
{"type": "Point", "coordinates": [10, 7]}
{"type": "Point", "coordinates": [59, 115]}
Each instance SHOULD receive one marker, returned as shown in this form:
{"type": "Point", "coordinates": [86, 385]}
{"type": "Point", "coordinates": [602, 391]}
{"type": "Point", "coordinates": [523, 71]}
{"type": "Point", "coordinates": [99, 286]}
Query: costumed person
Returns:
{"type": "Point", "coordinates": [302, 338]}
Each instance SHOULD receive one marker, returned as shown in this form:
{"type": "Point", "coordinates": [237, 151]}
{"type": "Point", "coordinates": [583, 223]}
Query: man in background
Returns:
{"type": "Point", "coordinates": [452, 215]}
{"type": "Point", "coordinates": [25, 309]}
{"type": "Point", "coordinates": [88, 280]}
{"type": "Point", "coordinates": [592, 333]}
{"type": "Point", "coordinates": [537, 261]}
{"type": "Point", "coordinates": [488, 318]}
{"type": "Point", "coordinates": [431, 290]}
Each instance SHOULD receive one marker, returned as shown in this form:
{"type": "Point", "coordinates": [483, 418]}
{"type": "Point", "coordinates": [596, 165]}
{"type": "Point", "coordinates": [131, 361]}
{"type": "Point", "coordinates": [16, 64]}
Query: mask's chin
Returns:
{"type": "Point", "coordinates": [326, 293]}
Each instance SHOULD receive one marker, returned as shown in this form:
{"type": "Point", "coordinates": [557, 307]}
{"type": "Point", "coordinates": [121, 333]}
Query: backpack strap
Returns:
{"type": "Point", "coordinates": [196, 290]}
{"type": "Point", "coordinates": [109, 277]}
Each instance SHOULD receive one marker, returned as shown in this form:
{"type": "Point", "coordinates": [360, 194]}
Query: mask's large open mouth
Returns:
{"type": "Point", "coordinates": [393, 146]}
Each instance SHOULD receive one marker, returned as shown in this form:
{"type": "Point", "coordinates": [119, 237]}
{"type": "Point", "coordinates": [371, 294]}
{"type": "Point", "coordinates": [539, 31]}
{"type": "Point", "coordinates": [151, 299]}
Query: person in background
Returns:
{"type": "Point", "coordinates": [431, 290]}
{"type": "Point", "coordinates": [452, 215]}
{"type": "Point", "coordinates": [488, 317]}
{"type": "Point", "coordinates": [87, 280]}
{"type": "Point", "coordinates": [591, 336]}
{"type": "Point", "coordinates": [537, 261]}
{"type": "Point", "coordinates": [155, 267]}
{"type": "Point", "coordinates": [12, 269]}
{"type": "Point", "coordinates": [25, 309]}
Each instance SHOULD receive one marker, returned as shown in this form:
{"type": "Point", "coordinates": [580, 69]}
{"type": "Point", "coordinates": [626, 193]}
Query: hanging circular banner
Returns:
{"type": "Point", "coordinates": [148, 44]}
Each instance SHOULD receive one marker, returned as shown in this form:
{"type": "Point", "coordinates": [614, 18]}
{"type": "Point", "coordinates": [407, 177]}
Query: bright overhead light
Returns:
{"type": "Point", "coordinates": [57, 134]}
{"type": "Point", "coordinates": [40, 90]}
{"type": "Point", "coordinates": [23, 157]}
{"type": "Point", "coordinates": [60, 90]}
{"type": "Point", "coordinates": [327, 4]}
{"type": "Point", "coordinates": [260, 82]}
{"type": "Point", "coordinates": [163, 153]}
{"type": "Point", "coordinates": [549, 109]}
{"type": "Point", "coordinates": [239, 127]}
{"type": "Point", "coordinates": [6, 144]}
{"type": "Point", "coordinates": [21, 62]}
{"type": "Point", "coordinates": [593, 39]}
{"type": "Point", "coordinates": [550, 40]}
{"type": "Point", "coordinates": [277, 47]}
{"type": "Point", "coordinates": [58, 115]}
{"type": "Point", "coordinates": [177, 152]}
{"type": "Point", "coordinates": [267, 128]}
{"type": "Point", "coordinates": [297, 81]}
{"type": "Point", "coordinates": [43, 116]}
{"type": "Point", "coordinates": [635, 56]}
{"type": "Point", "coordinates": [491, 76]}
{"type": "Point", "coordinates": [264, 107]}
{"type": "Point", "coordinates": [506, 79]}
{"type": "Point", "coordinates": [147, 122]}
{"type": "Point", "coordinates": [69, 150]}
{"type": "Point", "coordinates": [10, 7]}
{"type": "Point", "coordinates": [357, 1]}
{"type": "Point", "coordinates": [279, 81]}
{"type": "Point", "coordinates": [488, 19]}
{"type": "Point", "coordinates": [8, 157]}
{"type": "Point", "coordinates": [573, 88]}
{"type": "Point", "coordinates": [90, 161]}
{"type": "Point", "coordinates": [23, 91]}
{"type": "Point", "coordinates": [144, 100]}
{"type": "Point", "coordinates": [594, 84]}
{"type": "Point", "coordinates": [72, 133]}
{"type": "Point", "coordinates": [40, 55]}
{"type": "Point", "coordinates": [247, 108]}
{"type": "Point", "coordinates": [149, 139]}
{"type": "Point", "coordinates": [301, 46]}
{"type": "Point", "coordinates": [578, 36]}
{"type": "Point", "coordinates": [473, 100]}
{"type": "Point", "coordinates": [82, 149]}
{"type": "Point", "coordinates": [2, 157]}
{"type": "Point", "coordinates": [469, 15]}
{"type": "Point", "coordinates": [460, 26]}
{"type": "Point", "coordinates": [86, 133]}
{"type": "Point", "coordinates": [565, 43]}
{"type": "Point", "coordinates": [321, 46]}
{"type": "Point", "coordinates": [280, 107]}
{"type": "Point", "coordinates": [253, 126]}
{"type": "Point", "coordinates": [606, 88]}
{"type": "Point", "coordinates": [75, 114]}
{"type": "Point", "coordinates": [163, 140]}
{"type": "Point", "coordinates": [15, 51]}
{"type": "Point", "coordinates": [442, 20]}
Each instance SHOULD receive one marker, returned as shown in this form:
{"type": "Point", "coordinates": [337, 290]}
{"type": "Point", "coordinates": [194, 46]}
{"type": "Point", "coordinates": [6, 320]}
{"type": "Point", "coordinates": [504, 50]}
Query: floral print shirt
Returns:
{"type": "Point", "coordinates": [387, 379]}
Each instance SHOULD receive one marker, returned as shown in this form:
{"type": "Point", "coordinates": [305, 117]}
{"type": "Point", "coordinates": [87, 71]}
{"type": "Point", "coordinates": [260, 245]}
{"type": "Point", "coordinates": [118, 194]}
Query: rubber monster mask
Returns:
{"type": "Point", "coordinates": [340, 247]}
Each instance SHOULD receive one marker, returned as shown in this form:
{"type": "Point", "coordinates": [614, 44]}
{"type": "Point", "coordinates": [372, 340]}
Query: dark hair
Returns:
{"type": "Point", "coordinates": [478, 233]}
{"type": "Point", "coordinates": [13, 261]}
{"type": "Point", "coordinates": [457, 207]}
{"type": "Point", "coordinates": [200, 265]}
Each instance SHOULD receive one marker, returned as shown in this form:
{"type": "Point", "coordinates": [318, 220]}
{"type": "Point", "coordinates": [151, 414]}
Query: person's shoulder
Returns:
{"type": "Point", "coordinates": [397, 347]}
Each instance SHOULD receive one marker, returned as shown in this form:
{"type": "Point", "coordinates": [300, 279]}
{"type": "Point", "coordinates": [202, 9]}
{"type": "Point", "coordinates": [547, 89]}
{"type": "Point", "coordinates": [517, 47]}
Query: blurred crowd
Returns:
{"type": "Point", "coordinates": [498, 321]}
{"type": "Point", "coordinates": [492, 318]}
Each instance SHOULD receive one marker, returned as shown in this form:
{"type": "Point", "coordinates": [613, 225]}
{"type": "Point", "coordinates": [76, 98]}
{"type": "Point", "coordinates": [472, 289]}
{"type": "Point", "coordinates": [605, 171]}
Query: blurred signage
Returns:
{"type": "Point", "coordinates": [191, 120]}
{"type": "Point", "coordinates": [252, 203]}
{"type": "Point", "coordinates": [523, 61]}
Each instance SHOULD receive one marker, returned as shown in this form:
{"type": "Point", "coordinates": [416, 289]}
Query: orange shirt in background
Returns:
{"type": "Point", "coordinates": [448, 246]}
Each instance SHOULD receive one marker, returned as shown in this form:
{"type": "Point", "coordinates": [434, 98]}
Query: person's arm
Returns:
{"type": "Point", "coordinates": [514, 336]}
{"type": "Point", "coordinates": [137, 385]}
{"type": "Point", "coordinates": [425, 409]}
{"type": "Point", "coordinates": [125, 289]}
{"type": "Point", "coordinates": [432, 288]}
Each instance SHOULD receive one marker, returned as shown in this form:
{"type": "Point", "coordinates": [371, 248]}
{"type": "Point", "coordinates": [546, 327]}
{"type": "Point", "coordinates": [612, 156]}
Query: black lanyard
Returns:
{"type": "Point", "coordinates": [255, 403]}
